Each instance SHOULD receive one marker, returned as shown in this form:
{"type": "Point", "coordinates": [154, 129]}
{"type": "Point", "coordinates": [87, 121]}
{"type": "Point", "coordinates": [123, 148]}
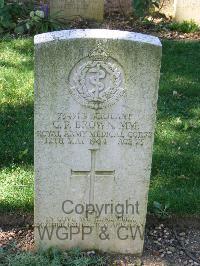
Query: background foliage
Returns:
{"type": "Point", "coordinates": [26, 18]}
{"type": "Point", "coordinates": [143, 7]}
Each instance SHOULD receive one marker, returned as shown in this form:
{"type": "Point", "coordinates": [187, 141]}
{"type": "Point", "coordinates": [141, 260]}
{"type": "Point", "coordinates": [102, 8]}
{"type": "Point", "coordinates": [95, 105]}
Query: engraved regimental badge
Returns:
{"type": "Point", "coordinates": [97, 81]}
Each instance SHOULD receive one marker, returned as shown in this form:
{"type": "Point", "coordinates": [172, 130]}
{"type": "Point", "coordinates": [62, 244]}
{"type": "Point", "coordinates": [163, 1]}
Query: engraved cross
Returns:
{"type": "Point", "coordinates": [92, 174]}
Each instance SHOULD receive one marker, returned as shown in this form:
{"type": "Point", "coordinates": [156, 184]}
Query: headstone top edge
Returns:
{"type": "Point", "coordinates": [96, 34]}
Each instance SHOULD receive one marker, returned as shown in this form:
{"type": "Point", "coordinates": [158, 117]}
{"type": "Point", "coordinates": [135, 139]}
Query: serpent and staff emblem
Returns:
{"type": "Point", "coordinates": [97, 81]}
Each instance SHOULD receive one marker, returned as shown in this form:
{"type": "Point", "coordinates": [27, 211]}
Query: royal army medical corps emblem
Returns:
{"type": "Point", "coordinates": [97, 81]}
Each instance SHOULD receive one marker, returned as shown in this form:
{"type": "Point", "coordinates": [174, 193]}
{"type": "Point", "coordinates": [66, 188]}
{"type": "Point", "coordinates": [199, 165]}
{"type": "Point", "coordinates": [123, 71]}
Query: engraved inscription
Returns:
{"type": "Point", "coordinates": [97, 81]}
{"type": "Point", "coordinates": [68, 221]}
{"type": "Point", "coordinates": [98, 128]}
{"type": "Point", "coordinates": [70, 4]}
{"type": "Point", "coordinates": [189, 4]}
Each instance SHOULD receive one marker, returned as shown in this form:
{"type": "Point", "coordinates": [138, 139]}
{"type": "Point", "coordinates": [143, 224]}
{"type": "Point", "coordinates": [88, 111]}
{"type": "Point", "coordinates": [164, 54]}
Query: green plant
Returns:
{"type": "Point", "coordinates": [142, 7]}
{"type": "Point", "coordinates": [161, 210]}
{"type": "Point", "coordinates": [38, 22]}
{"type": "Point", "coordinates": [78, 258]}
{"type": "Point", "coordinates": [185, 26]}
{"type": "Point", "coordinates": [27, 258]}
{"type": "Point", "coordinates": [19, 18]}
{"type": "Point", "coordinates": [10, 13]}
{"type": "Point", "coordinates": [54, 257]}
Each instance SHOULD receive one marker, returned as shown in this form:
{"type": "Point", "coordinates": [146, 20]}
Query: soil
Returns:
{"type": "Point", "coordinates": [157, 26]}
{"type": "Point", "coordinates": [173, 241]}
{"type": "Point", "coordinates": [118, 17]}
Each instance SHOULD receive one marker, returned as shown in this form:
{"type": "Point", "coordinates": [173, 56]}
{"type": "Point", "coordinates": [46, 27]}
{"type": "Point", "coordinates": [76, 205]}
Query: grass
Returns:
{"type": "Point", "coordinates": [185, 26]}
{"type": "Point", "coordinates": [16, 124]}
{"type": "Point", "coordinates": [53, 257]}
{"type": "Point", "coordinates": [176, 160]}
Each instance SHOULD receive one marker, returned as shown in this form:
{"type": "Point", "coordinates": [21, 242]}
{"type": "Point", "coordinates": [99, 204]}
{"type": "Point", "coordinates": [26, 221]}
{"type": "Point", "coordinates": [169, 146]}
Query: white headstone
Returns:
{"type": "Point", "coordinates": [95, 110]}
{"type": "Point", "coordinates": [187, 10]}
{"type": "Point", "coordinates": [69, 9]}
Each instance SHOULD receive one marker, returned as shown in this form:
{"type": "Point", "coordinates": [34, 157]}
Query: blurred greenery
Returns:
{"type": "Point", "coordinates": [175, 176]}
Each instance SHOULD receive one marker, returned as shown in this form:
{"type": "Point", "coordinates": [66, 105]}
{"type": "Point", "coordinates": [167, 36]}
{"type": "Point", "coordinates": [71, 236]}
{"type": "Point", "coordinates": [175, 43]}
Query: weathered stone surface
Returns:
{"type": "Point", "coordinates": [124, 7]}
{"type": "Point", "coordinates": [187, 10]}
{"type": "Point", "coordinates": [95, 108]}
{"type": "Point", "coordinates": [89, 9]}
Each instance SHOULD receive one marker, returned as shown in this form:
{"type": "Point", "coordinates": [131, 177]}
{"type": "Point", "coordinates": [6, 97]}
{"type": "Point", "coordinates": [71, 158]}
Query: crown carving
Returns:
{"type": "Point", "coordinates": [98, 54]}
